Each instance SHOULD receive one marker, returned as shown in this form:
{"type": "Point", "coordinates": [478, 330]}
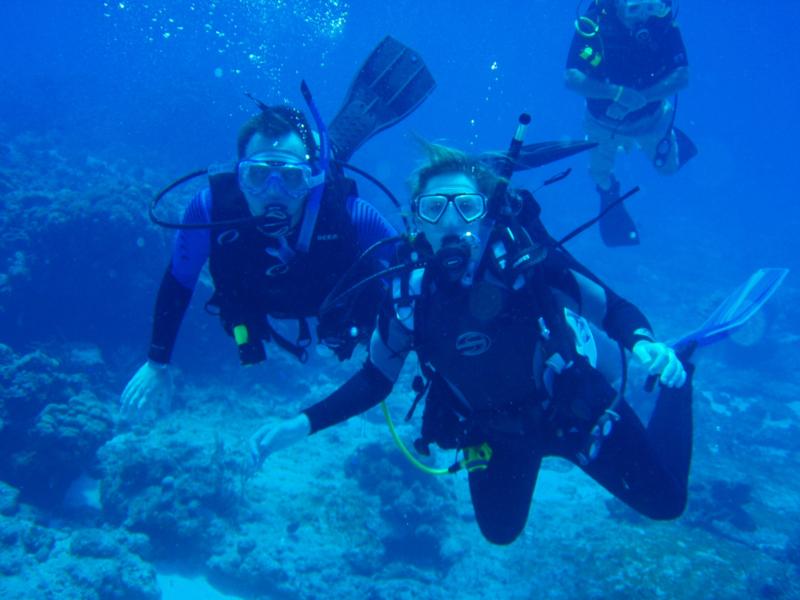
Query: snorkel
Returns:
{"type": "Point", "coordinates": [314, 200]}
{"type": "Point", "coordinates": [505, 170]}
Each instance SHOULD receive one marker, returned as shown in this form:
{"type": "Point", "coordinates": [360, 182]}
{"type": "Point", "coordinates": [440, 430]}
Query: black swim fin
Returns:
{"type": "Point", "coordinates": [539, 154]}
{"type": "Point", "coordinates": [616, 226]}
{"type": "Point", "coordinates": [686, 147]}
{"type": "Point", "coordinates": [390, 85]}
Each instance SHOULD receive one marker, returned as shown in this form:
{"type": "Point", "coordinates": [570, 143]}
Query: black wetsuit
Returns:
{"type": "Point", "coordinates": [487, 348]}
{"type": "Point", "coordinates": [635, 58]}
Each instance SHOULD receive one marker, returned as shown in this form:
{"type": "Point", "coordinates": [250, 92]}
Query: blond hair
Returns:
{"type": "Point", "coordinates": [444, 159]}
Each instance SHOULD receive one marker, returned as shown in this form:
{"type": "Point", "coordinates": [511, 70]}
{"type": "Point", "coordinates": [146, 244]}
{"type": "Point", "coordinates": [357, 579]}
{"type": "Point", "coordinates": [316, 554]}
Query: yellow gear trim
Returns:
{"type": "Point", "coordinates": [412, 459]}
{"type": "Point", "coordinates": [589, 54]}
{"type": "Point", "coordinates": [241, 335]}
{"type": "Point", "coordinates": [476, 458]}
{"type": "Point", "coordinates": [594, 27]}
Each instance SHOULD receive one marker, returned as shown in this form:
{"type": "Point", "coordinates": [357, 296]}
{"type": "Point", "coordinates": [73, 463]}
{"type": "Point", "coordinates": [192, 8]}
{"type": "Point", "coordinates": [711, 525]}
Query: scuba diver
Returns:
{"type": "Point", "coordinates": [627, 59]}
{"type": "Point", "coordinates": [500, 322]}
{"type": "Point", "coordinates": [282, 225]}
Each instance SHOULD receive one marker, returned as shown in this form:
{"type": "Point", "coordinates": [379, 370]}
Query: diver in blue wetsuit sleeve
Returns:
{"type": "Point", "coordinates": [504, 329]}
{"type": "Point", "coordinates": [627, 58]}
{"type": "Point", "coordinates": [282, 226]}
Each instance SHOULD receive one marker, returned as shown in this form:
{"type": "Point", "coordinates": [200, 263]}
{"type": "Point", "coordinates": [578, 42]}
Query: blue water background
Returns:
{"type": "Point", "coordinates": [161, 85]}
{"type": "Point", "coordinates": [140, 81]}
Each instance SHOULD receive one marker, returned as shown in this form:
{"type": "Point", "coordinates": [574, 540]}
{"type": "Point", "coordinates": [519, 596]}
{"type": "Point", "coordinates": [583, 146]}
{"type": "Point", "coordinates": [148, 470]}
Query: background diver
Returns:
{"type": "Point", "coordinates": [281, 227]}
{"type": "Point", "coordinates": [627, 58]}
{"type": "Point", "coordinates": [512, 361]}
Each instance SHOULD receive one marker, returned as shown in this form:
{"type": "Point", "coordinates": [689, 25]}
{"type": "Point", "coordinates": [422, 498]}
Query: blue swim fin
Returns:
{"type": "Point", "coordinates": [736, 310]}
{"type": "Point", "coordinates": [729, 316]}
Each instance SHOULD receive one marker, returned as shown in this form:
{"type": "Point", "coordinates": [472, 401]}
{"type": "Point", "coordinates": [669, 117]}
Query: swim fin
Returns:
{"type": "Point", "coordinates": [390, 85]}
{"type": "Point", "coordinates": [539, 154]}
{"type": "Point", "coordinates": [616, 225]}
{"type": "Point", "coordinates": [736, 310]}
{"type": "Point", "coordinates": [729, 316]}
{"type": "Point", "coordinates": [686, 147]}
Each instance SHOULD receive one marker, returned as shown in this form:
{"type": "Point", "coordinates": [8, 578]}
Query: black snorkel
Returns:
{"type": "Point", "coordinates": [314, 200]}
{"type": "Point", "coordinates": [497, 209]}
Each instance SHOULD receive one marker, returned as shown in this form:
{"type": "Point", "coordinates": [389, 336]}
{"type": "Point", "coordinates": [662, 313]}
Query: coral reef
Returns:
{"type": "Point", "coordinates": [51, 425]}
{"type": "Point", "coordinates": [67, 225]}
{"type": "Point", "coordinates": [414, 507]}
{"type": "Point", "coordinates": [39, 561]}
{"type": "Point", "coordinates": [174, 489]}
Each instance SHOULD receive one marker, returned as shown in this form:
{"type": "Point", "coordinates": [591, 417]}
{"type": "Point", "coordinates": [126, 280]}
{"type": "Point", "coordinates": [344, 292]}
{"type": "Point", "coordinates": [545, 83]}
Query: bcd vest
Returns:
{"type": "Point", "coordinates": [494, 353]}
{"type": "Point", "coordinates": [256, 275]}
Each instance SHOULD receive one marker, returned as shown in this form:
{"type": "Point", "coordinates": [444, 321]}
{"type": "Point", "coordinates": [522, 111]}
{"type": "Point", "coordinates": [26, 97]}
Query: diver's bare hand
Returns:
{"type": "Point", "coordinates": [661, 361]}
{"type": "Point", "coordinates": [150, 389]}
{"type": "Point", "coordinates": [276, 436]}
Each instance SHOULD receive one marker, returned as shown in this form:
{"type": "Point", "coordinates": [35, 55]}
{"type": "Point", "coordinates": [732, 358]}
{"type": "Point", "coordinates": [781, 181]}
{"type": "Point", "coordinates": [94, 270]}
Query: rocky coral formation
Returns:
{"type": "Point", "coordinates": [51, 426]}
{"type": "Point", "coordinates": [39, 561]}
{"type": "Point", "coordinates": [67, 225]}
{"type": "Point", "coordinates": [178, 491]}
{"type": "Point", "coordinates": [414, 509]}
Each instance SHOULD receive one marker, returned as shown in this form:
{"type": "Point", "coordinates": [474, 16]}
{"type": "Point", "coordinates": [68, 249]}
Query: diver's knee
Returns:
{"type": "Point", "coordinates": [668, 506]}
{"type": "Point", "coordinates": [501, 534]}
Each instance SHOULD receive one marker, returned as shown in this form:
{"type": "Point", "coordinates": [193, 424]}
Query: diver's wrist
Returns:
{"type": "Point", "coordinates": [157, 365]}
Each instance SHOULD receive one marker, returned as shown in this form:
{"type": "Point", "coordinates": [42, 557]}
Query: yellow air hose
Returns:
{"type": "Point", "coordinates": [411, 458]}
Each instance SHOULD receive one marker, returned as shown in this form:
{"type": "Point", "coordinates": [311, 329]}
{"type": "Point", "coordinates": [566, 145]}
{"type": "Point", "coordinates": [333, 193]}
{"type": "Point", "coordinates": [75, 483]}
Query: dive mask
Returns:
{"type": "Point", "coordinates": [431, 207]}
{"type": "Point", "coordinates": [641, 10]}
{"type": "Point", "coordinates": [292, 179]}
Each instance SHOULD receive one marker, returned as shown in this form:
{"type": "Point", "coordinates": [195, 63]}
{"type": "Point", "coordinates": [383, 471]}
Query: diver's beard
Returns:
{"type": "Point", "coordinates": [453, 258]}
{"type": "Point", "coordinates": [276, 221]}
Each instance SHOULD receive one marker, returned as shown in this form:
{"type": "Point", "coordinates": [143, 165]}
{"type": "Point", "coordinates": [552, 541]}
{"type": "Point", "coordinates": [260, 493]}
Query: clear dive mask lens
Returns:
{"type": "Point", "coordinates": [292, 179]}
{"type": "Point", "coordinates": [470, 207]}
{"type": "Point", "coordinates": [640, 10]}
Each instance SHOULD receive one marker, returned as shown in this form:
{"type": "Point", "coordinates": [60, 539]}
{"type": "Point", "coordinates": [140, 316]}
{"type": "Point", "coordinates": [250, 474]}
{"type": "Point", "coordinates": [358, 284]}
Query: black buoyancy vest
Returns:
{"type": "Point", "coordinates": [485, 341]}
{"type": "Point", "coordinates": [481, 341]}
{"type": "Point", "coordinates": [251, 283]}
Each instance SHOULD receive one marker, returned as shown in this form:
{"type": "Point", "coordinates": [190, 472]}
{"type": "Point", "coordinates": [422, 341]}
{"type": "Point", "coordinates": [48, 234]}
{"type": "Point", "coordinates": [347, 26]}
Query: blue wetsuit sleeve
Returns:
{"type": "Point", "coordinates": [190, 251]}
{"type": "Point", "coordinates": [371, 227]}
{"type": "Point", "coordinates": [191, 246]}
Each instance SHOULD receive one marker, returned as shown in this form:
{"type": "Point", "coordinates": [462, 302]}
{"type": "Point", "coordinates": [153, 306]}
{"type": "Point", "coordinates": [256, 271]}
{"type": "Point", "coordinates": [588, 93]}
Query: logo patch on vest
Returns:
{"type": "Point", "coordinates": [328, 237]}
{"type": "Point", "coordinates": [228, 237]}
{"type": "Point", "coordinates": [276, 270]}
{"type": "Point", "coordinates": [473, 343]}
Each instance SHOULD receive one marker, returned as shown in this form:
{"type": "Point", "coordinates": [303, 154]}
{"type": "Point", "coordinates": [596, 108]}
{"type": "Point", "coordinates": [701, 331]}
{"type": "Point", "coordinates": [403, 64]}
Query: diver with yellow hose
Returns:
{"type": "Point", "coordinates": [497, 322]}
